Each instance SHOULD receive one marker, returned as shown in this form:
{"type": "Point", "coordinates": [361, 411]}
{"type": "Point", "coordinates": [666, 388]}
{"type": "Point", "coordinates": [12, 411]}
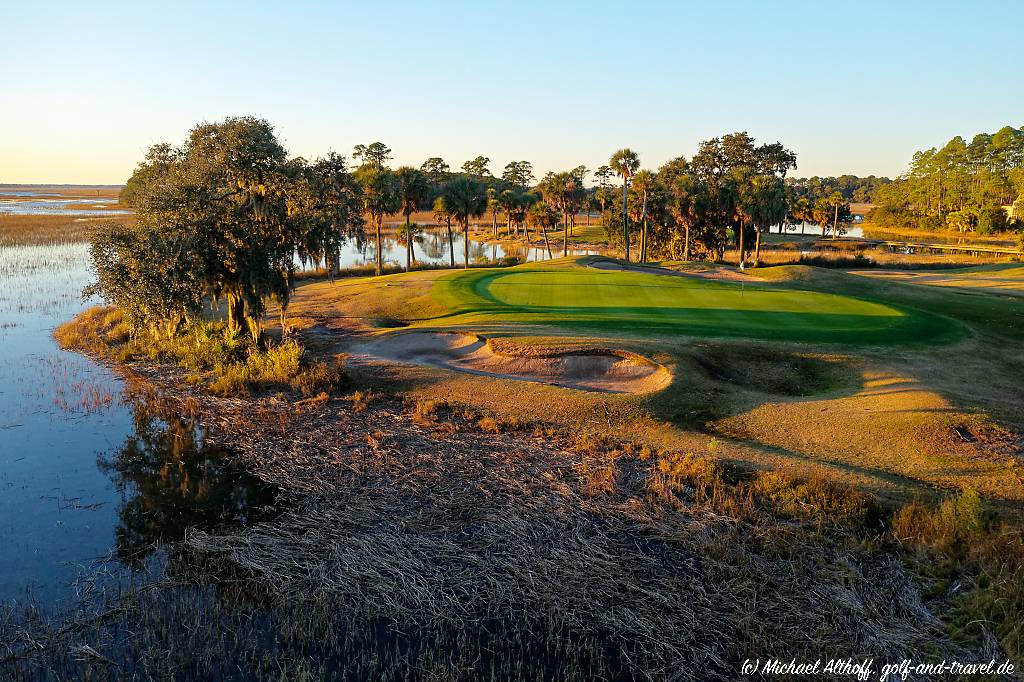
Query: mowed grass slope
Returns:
{"type": "Point", "coordinates": [1005, 278]}
{"type": "Point", "coordinates": [567, 293]}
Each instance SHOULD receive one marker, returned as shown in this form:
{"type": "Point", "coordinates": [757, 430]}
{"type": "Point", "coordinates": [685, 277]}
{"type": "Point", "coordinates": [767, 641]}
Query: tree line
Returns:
{"type": "Point", "coordinates": [964, 186]}
{"type": "Point", "coordinates": [227, 214]}
{"type": "Point", "coordinates": [854, 189]}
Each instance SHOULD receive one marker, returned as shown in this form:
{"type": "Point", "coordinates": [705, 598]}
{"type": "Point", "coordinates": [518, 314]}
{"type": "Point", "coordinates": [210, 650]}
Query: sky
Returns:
{"type": "Point", "coordinates": [851, 87]}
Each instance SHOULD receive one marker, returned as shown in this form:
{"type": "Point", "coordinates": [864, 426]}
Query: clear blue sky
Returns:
{"type": "Point", "coordinates": [851, 87]}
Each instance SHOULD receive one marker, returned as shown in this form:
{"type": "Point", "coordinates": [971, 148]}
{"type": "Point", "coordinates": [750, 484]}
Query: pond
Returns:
{"type": "Point", "coordinates": [88, 474]}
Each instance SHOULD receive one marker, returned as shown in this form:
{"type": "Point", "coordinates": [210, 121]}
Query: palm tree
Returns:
{"type": "Point", "coordinates": [413, 189]}
{"type": "Point", "coordinates": [687, 206]}
{"type": "Point", "coordinates": [465, 198]}
{"type": "Point", "coordinates": [494, 206]}
{"type": "Point", "coordinates": [643, 183]}
{"type": "Point", "coordinates": [441, 215]}
{"type": "Point", "coordinates": [769, 193]}
{"type": "Point", "coordinates": [543, 216]}
{"type": "Point", "coordinates": [556, 188]}
{"type": "Point", "coordinates": [507, 201]}
{"type": "Point", "coordinates": [380, 198]}
{"type": "Point", "coordinates": [625, 163]}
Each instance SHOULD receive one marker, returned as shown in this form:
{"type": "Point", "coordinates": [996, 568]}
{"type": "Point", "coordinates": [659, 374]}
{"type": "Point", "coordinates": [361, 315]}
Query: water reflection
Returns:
{"type": "Point", "coordinates": [172, 480]}
{"type": "Point", "coordinates": [431, 247]}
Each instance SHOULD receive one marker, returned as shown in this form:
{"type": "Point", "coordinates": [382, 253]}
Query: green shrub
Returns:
{"type": "Point", "coordinates": [953, 522]}
{"type": "Point", "coordinates": [817, 498]}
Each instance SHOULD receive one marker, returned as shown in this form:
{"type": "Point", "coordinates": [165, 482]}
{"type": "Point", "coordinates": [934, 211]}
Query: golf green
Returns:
{"type": "Point", "coordinates": [568, 293]}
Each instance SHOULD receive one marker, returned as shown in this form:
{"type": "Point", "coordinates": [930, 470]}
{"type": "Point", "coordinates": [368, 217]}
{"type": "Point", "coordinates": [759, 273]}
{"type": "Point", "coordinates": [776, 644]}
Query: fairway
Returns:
{"type": "Point", "coordinates": [568, 293]}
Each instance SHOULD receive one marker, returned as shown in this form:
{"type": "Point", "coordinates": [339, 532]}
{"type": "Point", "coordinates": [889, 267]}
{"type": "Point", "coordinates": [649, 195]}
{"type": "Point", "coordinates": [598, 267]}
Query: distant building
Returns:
{"type": "Point", "coordinates": [1011, 212]}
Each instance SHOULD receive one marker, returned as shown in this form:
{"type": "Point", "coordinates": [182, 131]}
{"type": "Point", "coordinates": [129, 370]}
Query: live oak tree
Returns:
{"type": "Point", "coordinates": [221, 216]}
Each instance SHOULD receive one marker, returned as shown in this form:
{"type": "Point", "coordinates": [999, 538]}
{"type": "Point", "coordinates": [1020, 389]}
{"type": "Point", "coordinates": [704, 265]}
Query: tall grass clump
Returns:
{"type": "Point", "coordinates": [226, 362]}
{"type": "Point", "coordinates": [976, 564]}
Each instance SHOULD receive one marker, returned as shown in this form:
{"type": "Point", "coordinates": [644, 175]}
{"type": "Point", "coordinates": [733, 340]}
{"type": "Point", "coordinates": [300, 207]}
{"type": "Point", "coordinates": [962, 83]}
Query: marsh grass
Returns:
{"type": "Point", "coordinates": [976, 564]}
{"type": "Point", "coordinates": [24, 230]}
{"type": "Point", "coordinates": [225, 363]}
{"type": "Point", "coordinates": [861, 256]}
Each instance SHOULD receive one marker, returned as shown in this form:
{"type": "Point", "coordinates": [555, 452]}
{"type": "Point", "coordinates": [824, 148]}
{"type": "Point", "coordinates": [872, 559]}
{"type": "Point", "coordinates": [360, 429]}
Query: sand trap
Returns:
{"type": "Point", "coordinates": [591, 370]}
{"type": "Point", "coordinates": [699, 271]}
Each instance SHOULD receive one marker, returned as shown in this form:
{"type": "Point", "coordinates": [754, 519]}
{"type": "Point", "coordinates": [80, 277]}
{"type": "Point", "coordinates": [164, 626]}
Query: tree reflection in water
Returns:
{"type": "Point", "coordinates": [172, 480]}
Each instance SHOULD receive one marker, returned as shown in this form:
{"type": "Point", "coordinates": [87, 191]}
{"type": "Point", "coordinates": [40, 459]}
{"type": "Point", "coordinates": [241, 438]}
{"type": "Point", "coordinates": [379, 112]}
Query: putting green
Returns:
{"type": "Point", "coordinates": [567, 293]}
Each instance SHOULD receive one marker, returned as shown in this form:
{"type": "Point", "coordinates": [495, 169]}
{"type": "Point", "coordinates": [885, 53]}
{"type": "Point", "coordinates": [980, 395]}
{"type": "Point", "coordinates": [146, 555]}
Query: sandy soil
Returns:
{"type": "Point", "coordinates": [597, 370]}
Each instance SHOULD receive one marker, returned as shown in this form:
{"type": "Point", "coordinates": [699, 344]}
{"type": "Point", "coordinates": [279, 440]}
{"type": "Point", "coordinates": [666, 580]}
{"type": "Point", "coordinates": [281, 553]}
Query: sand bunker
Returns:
{"type": "Point", "coordinates": [590, 370]}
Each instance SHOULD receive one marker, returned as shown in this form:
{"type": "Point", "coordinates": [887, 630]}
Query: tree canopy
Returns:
{"type": "Point", "coordinates": [224, 215]}
{"type": "Point", "coordinates": [963, 186]}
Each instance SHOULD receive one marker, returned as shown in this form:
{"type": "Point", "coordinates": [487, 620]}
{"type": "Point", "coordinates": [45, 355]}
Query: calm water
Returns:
{"type": "Point", "coordinates": [86, 474]}
{"type": "Point", "coordinates": [41, 206]}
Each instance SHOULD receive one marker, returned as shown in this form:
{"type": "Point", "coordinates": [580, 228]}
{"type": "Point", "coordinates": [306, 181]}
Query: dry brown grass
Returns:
{"type": "Point", "coordinates": [433, 520]}
{"type": "Point", "coordinates": [16, 230]}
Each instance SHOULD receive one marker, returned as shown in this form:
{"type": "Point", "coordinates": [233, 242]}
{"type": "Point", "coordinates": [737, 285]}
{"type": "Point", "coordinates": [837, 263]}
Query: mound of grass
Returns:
{"type": "Point", "coordinates": [768, 370]}
{"type": "Point", "coordinates": [227, 363]}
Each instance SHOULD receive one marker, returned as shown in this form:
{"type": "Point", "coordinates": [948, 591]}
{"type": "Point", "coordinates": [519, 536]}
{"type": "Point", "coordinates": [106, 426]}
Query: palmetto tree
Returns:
{"type": "Point", "coordinates": [465, 198]}
{"type": "Point", "coordinates": [494, 206]}
{"type": "Point", "coordinates": [441, 215]}
{"type": "Point", "coordinates": [556, 189]}
{"type": "Point", "coordinates": [688, 204]}
{"type": "Point", "coordinates": [507, 200]}
{"type": "Point", "coordinates": [770, 206]}
{"type": "Point", "coordinates": [380, 197]}
{"type": "Point", "coordinates": [543, 216]}
{"type": "Point", "coordinates": [625, 164]}
{"type": "Point", "coordinates": [643, 183]}
{"type": "Point", "coordinates": [413, 190]}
